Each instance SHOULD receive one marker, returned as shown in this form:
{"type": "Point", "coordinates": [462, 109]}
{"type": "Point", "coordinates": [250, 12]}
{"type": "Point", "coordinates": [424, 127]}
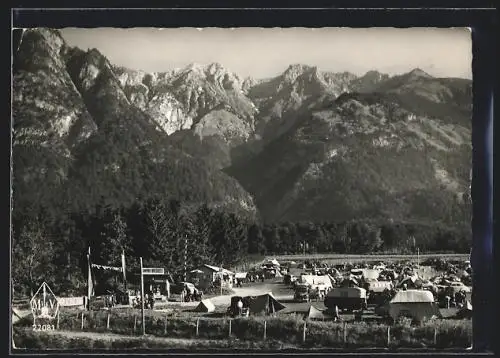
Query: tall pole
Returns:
{"type": "Point", "coordinates": [89, 282]}
{"type": "Point", "coordinates": [142, 300]}
{"type": "Point", "coordinates": [185, 256]}
{"type": "Point", "coordinates": [221, 276]}
{"type": "Point", "coordinates": [418, 257]}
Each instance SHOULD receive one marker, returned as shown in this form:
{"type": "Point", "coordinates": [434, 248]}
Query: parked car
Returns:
{"type": "Point", "coordinates": [301, 293]}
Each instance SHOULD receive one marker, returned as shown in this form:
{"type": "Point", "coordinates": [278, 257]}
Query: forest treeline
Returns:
{"type": "Point", "coordinates": [53, 248]}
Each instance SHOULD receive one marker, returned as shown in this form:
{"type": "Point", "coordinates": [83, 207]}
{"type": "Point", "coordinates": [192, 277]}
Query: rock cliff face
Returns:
{"type": "Point", "coordinates": [86, 132]}
{"type": "Point", "coordinates": [304, 145]}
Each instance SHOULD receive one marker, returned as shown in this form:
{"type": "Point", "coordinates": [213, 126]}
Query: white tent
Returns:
{"type": "Point", "coordinates": [272, 261]}
{"type": "Point", "coordinates": [324, 282]}
{"type": "Point", "coordinates": [205, 306]}
{"type": "Point", "coordinates": [417, 304]}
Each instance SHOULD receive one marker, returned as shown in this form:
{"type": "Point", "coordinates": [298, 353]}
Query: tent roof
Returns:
{"type": "Point", "coordinates": [258, 304]}
{"type": "Point", "coordinates": [217, 269]}
{"type": "Point", "coordinates": [205, 306]}
{"type": "Point", "coordinates": [241, 275]}
{"type": "Point", "coordinates": [371, 274]}
{"type": "Point", "coordinates": [317, 280]}
{"type": "Point", "coordinates": [315, 313]}
{"type": "Point", "coordinates": [413, 296]}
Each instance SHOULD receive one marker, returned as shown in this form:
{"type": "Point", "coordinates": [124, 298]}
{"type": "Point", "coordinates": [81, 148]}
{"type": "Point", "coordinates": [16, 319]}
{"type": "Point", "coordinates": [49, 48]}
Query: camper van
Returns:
{"type": "Point", "coordinates": [301, 292]}
{"type": "Point", "coordinates": [346, 298]}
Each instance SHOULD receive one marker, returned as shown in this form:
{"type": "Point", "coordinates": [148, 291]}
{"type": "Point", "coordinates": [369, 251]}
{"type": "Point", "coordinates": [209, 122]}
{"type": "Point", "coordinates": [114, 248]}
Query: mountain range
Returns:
{"type": "Point", "coordinates": [306, 145]}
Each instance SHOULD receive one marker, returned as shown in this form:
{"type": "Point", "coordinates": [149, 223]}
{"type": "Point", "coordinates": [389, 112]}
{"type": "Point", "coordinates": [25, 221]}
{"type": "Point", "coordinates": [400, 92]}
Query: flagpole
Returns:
{"type": "Point", "coordinates": [89, 283]}
{"type": "Point", "coordinates": [142, 300]}
{"type": "Point", "coordinates": [124, 271]}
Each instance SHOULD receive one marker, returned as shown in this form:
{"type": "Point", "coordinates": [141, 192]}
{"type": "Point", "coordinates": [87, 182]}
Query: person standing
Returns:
{"type": "Point", "coordinates": [151, 301]}
{"type": "Point", "coordinates": [240, 307]}
{"type": "Point", "coordinates": [336, 313]}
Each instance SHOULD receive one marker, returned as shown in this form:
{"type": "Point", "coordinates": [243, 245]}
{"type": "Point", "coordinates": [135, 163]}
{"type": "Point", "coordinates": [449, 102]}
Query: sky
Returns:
{"type": "Point", "coordinates": [263, 53]}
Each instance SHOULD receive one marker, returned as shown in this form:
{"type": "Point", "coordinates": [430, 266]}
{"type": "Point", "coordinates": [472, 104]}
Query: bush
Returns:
{"type": "Point", "coordinates": [282, 329]}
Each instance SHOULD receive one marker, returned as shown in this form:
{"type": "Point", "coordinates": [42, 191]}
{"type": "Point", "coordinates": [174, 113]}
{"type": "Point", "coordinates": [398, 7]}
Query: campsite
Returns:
{"type": "Point", "coordinates": [264, 298]}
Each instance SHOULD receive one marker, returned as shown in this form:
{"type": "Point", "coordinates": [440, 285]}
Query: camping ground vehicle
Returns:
{"type": "Point", "coordinates": [192, 293]}
{"type": "Point", "coordinates": [233, 309]}
{"type": "Point", "coordinates": [416, 305]}
{"type": "Point", "coordinates": [301, 292]}
{"type": "Point", "coordinates": [346, 298]}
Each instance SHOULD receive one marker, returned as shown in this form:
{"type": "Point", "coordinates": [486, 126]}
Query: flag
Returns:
{"type": "Point", "coordinates": [108, 268]}
{"type": "Point", "coordinates": [124, 269]}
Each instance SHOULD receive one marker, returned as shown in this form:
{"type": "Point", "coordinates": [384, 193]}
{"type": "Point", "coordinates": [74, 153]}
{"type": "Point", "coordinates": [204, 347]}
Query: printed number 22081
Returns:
{"type": "Point", "coordinates": [43, 327]}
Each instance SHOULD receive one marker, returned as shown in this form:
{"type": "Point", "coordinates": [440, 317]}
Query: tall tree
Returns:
{"type": "Point", "coordinates": [32, 257]}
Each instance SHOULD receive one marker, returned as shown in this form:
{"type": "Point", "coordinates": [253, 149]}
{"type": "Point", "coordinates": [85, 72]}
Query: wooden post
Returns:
{"type": "Point", "coordinates": [83, 313]}
{"type": "Point", "coordinates": [135, 323]}
{"type": "Point", "coordinates": [197, 327]}
{"type": "Point", "coordinates": [230, 327]}
{"type": "Point", "coordinates": [142, 300]}
{"type": "Point", "coordinates": [435, 336]}
{"type": "Point", "coordinates": [265, 329]}
{"type": "Point", "coordinates": [165, 328]}
{"type": "Point", "coordinates": [304, 333]}
{"type": "Point", "coordinates": [57, 324]}
{"type": "Point", "coordinates": [388, 336]}
{"type": "Point", "coordinates": [345, 332]}
{"type": "Point", "coordinates": [107, 321]}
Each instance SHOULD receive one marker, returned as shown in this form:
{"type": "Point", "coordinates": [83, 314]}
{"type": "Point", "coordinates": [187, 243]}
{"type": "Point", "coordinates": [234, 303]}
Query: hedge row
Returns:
{"type": "Point", "coordinates": [288, 329]}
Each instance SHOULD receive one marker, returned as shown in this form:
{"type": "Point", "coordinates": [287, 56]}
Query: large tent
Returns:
{"type": "Point", "coordinates": [316, 313]}
{"type": "Point", "coordinates": [370, 274]}
{"type": "Point", "coordinates": [264, 304]}
{"type": "Point", "coordinates": [205, 306]}
{"type": "Point", "coordinates": [313, 280]}
{"type": "Point", "coordinates": [416, 304]}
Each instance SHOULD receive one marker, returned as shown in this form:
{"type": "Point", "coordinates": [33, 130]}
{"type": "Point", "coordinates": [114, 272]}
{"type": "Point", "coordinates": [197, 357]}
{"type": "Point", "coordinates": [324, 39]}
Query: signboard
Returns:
{"type": "Point", "coordinates": [44, 303]}
{"type": "Point", "coordinates": [71, 301]}
{"type": "Point", "coordinates": [153, 271]}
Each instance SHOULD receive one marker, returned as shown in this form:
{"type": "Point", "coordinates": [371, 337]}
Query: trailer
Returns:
{"type": "Point", "coordinates": [346, 298]}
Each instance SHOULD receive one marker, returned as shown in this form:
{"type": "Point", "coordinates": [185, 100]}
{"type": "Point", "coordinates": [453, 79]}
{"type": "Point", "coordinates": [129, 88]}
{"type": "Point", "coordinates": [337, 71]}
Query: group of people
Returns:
{"type": "Point", "coordinates": [188, 295]}
{"type": "Point", "coordinates": [256, 277]}
{"type": "Point", "coordinates": [457, 299]}
{"type": "Point", "coordinates": [149, 300]}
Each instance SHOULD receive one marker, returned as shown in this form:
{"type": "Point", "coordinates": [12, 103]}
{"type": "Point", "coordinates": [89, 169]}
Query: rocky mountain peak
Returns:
{"type": "Point", "coordinates": [417, 72]}
{"type": "Point", "coordinates": [295, 70]}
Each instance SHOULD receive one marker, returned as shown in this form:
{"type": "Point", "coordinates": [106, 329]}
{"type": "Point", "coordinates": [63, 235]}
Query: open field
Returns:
{"type": "Point", "coordinates": [341, 258]}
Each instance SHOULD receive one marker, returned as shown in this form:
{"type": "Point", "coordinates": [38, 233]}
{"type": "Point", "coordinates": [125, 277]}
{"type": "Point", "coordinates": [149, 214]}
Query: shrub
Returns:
{"type": "Point", "coordinates": [282, 329]}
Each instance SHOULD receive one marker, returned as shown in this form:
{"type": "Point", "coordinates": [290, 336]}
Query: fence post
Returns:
{"type": "Point", "coordinates": [135, 323]}
{"type": "Point", "coordinates": [197, 326]}
{"type": "Point", "coordinates": [57, 324]}
{"type": "Point", "coordinates": [83, 313]}
{"type": "Point", "coordinates": [435, 336]}
{"type": "Point", "coordinates": [304, 333]}
{"type": "Point", "coordinates": [165, 328]}
{"type": "Point", "coordinates": [265, 329]}
{"type": "Point", "coordinates": [230, 321]}
{"type": "Point", "coordinates": [345, 332]}
{"type": "Point", "coordinates": [107, 321]}
{"type": "Point", "coordinates": [388, 336]}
